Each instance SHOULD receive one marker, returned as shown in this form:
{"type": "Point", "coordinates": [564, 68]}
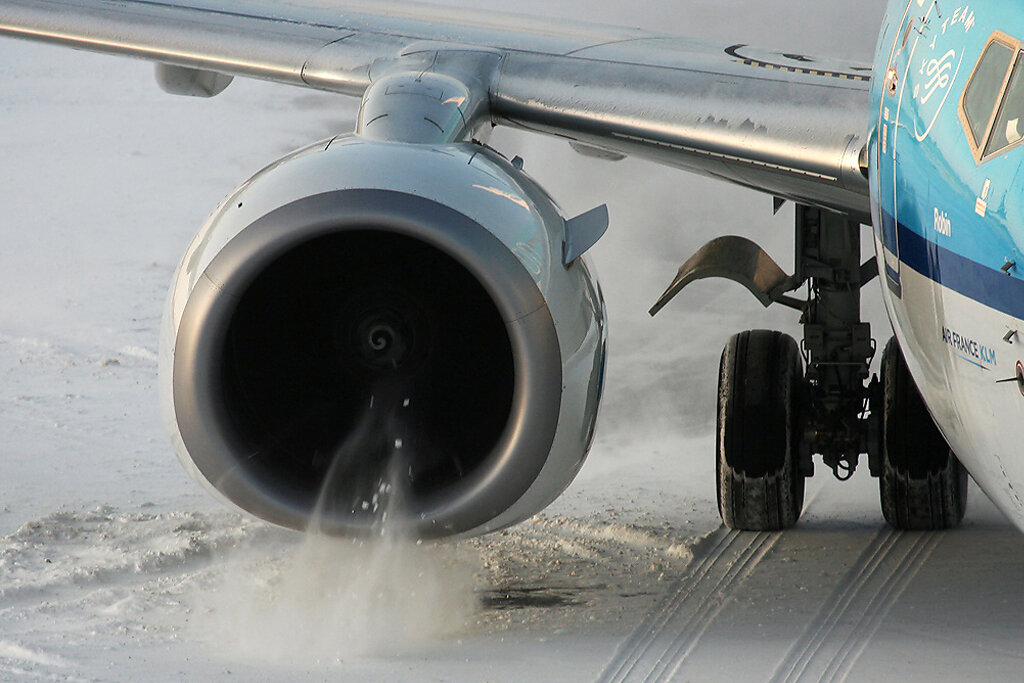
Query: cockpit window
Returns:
{"type": "Point", "coordinates": [1008, 129]}
{"type": "Point", "coordinates": [982, 93]}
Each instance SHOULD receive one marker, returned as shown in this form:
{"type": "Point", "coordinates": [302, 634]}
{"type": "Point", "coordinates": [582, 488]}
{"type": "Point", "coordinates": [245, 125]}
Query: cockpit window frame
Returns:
{"type": "Point", "coordinates": [979, 147]}
{"type": "Point", "coordinates": [999, 123]}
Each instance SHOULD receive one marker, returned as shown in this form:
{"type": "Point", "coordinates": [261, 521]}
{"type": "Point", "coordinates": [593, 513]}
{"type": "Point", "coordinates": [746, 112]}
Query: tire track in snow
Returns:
{"type": "Point", "coordinates": [671, 631]}
{"type": "Point", "coordinates": [836, 638]}
{"type": "Point", "coordinates": [881, 604]}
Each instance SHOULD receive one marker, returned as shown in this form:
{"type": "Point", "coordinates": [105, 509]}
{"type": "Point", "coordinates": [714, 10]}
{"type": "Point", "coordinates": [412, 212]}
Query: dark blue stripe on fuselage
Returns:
{"type": "Point", "coordinates": [988, 286]}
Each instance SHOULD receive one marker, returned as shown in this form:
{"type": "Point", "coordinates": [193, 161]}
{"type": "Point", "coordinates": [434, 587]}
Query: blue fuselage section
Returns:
{"type": "Point", "coordinates": [929, 181]}
{"type": "Point", "coordinates": [945, 163]}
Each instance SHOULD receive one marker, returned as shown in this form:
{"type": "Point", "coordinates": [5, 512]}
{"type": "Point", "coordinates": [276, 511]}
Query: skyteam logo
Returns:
{"type": "Point", "coordinates": [935, 63]}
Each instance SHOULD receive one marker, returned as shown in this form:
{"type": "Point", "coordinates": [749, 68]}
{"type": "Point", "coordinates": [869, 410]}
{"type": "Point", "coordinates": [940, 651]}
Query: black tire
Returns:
{"type": "Point", "coordinates": [760, 486]}
{"type": "Point", "coordinates": [923, 486]}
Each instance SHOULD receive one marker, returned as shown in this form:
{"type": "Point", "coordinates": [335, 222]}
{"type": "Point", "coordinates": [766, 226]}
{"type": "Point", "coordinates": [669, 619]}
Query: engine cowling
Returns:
{"type": "Point", "coordinates": [375, 329]}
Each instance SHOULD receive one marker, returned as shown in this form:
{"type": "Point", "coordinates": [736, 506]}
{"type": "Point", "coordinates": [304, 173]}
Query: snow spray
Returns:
{"type": "Point", "coordinates": [328, 599]}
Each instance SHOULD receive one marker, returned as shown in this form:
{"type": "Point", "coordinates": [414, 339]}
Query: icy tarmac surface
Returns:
{"type": "Point", "coordinates": [104, 595]}
{"type": "Point", "coordinates": [114, 566]}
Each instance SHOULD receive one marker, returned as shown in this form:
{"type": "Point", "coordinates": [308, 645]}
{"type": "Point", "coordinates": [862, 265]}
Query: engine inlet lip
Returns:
{"type": "Point", "coordinates": [469, 504]}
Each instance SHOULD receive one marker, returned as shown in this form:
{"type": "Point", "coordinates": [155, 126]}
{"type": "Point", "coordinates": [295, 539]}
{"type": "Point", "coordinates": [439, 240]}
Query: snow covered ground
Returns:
{"type": "Point", "coordinates": [114, 566]}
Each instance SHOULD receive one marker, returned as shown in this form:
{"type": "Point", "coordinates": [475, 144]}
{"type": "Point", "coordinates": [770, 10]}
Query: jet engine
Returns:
{"type": "Point", "coordinates": [370, 333]}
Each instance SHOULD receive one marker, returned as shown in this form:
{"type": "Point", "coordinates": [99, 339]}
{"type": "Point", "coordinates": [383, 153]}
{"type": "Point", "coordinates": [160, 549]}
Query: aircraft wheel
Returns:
{"type": "Point", "coordinates": [923, 485]}
{"type": "Point", "coordinates": [760, 486]}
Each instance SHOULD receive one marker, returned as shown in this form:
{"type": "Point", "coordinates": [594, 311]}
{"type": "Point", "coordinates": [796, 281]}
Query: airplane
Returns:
{"type": "Point", "coordinates": [399, 324]}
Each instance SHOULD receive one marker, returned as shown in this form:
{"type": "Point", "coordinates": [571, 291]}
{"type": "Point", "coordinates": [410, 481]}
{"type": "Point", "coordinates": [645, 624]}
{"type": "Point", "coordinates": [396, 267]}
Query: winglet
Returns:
{"type": "Point", "coordinates": [583, 232]}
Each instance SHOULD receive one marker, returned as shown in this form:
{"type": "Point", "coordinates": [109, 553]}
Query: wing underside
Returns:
{"type": "Point", "coordinates": [795, 129]}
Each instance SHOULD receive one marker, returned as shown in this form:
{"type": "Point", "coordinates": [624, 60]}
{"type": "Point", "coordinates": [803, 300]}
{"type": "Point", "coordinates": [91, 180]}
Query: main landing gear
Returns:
{"type": "Point", "coordinates": [773, 418]}
{"type": "Point", "coordinates": [760, 483]}
{"type": "Point", "coordinates": [922, 484]}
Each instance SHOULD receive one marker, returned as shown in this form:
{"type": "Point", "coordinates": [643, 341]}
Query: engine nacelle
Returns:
{"type": "Point", "coordinates": [372, 328]}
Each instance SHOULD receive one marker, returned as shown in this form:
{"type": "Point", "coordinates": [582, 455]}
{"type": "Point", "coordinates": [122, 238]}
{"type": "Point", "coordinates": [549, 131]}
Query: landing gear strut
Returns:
{"type": "Point", "coordinates": [773, 418]}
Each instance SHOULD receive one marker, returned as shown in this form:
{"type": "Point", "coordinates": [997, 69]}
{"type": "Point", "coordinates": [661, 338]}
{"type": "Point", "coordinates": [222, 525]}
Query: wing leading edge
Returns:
{"type": "Point", "coordinates": [753, 119]}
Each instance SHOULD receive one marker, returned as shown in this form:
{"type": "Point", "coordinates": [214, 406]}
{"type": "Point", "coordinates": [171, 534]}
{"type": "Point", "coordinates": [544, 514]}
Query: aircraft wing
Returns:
{"type": "Point", "coordinates": [780, 123]}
